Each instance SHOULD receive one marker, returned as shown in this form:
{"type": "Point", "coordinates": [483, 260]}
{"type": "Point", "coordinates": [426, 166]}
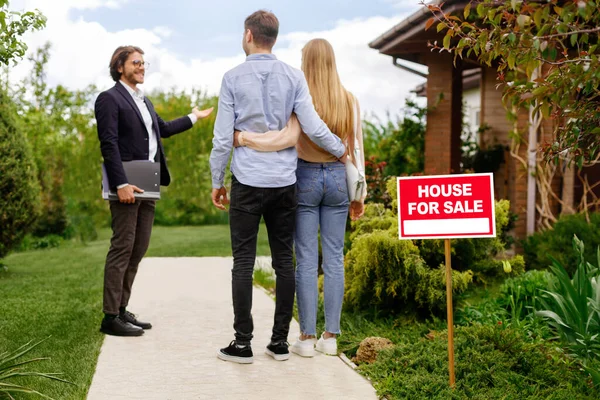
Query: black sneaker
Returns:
{"type": "Point", "coordinates": [235, 353]}
{"type": "Point", "coordinates": [279, 351]}
{"type": "Point", "coordinates": [132, 319]}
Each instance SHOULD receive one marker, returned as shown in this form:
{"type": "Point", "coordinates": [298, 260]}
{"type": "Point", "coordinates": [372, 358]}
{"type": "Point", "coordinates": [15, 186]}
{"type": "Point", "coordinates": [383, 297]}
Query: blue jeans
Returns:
{"type": "Point", "coordinates": [322, 203]}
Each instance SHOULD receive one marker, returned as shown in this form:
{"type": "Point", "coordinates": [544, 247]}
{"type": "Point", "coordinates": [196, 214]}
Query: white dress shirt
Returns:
{"type": "Point", "coordinates": [138, 97]}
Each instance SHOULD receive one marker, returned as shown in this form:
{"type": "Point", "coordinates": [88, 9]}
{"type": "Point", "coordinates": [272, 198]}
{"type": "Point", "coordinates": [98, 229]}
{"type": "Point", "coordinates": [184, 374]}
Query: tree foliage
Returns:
{"type": "Point", "coordinates": [400, 142]}
{"type": "Point", "coordinates": [18, 183]}
{"type": "Point", "coordinates": [59, 124]}
{"type": "Point", "coordinates": [13, 25]}
{"type": "Point", "coordinates": [546, 54]}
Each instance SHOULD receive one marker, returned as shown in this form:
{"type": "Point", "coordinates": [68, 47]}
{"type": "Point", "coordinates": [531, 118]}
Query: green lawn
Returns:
{"type": "Point", "coordinates": [58, 293]}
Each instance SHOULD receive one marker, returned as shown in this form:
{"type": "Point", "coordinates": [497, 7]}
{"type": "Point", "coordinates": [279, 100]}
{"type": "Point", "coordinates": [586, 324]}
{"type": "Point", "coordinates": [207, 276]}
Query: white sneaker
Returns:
{"type": "Point", "coordinates": [304, 348]}
{"type": "Point", "coordinates": [327, 346]}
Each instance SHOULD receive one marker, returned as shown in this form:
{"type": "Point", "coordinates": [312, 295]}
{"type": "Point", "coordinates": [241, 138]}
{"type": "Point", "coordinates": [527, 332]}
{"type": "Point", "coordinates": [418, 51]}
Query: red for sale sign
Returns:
{"type": "Point", "coordinates": [446, 206]}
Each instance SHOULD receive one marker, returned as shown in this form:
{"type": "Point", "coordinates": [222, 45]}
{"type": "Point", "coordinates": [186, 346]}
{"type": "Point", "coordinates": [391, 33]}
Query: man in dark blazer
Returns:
{"type": "Point", "coordinates": [129, 129]}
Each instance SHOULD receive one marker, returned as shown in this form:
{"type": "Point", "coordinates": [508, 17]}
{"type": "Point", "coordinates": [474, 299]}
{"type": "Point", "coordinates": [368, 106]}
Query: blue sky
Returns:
{"type": "Point", "coordinates": [203, 29]}
{"type": "Point", "coordinates": [192, 43]}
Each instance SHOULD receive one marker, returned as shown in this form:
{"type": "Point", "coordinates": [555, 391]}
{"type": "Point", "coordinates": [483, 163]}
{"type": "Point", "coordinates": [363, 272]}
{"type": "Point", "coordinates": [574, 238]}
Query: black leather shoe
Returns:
{"type": "Point", "coordinates": [129, 317]}
{"type": "Point", "coordinates": [118, 327]}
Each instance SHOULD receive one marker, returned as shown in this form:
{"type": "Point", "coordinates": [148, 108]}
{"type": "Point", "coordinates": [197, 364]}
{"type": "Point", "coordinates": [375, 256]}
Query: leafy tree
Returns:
{"type": "Point", "coordinates": [546, 54]}
{"type": "Point", "coordinates": [18, 184]}
{"type": "Point", "coordinates": [56, 122]}
{"type": "Point", "coordinates": [13, 25]}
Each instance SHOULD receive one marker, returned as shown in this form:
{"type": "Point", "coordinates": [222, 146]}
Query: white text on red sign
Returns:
{"type": "Point", "coordinates": [449, 207]}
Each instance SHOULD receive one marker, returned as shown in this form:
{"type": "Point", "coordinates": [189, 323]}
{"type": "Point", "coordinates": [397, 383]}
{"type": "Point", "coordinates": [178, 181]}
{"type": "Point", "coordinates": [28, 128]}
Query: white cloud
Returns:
{"type": "Point", "coordinates": [163, 31]}
{"type": "Point", "coordinates": [81, 51]}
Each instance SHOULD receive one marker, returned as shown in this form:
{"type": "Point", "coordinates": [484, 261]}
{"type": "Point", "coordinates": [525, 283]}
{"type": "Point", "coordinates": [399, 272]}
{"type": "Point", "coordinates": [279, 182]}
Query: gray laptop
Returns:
{"type": "Point", "coordinates": [141, 173]}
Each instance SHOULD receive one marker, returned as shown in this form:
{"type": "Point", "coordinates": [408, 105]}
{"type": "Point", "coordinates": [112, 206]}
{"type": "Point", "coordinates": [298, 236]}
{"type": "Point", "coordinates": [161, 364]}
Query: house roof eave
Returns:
{"type": "Point", "coordinates": [411, 26]}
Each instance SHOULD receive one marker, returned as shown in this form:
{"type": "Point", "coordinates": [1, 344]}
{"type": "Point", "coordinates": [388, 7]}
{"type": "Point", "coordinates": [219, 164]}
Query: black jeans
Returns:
{"type": "Point", "coordinates": [278, 207]}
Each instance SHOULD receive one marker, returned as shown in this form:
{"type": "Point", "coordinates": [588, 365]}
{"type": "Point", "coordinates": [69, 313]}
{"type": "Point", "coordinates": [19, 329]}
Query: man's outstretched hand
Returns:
{"type": "Point", "coordinates": [219, 198]}
{"type": "Point", "coordinates": [202, 113]}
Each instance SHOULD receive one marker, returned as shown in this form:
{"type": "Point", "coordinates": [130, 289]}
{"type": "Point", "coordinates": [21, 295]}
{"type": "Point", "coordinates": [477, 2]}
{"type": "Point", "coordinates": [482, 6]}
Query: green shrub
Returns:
{"type": "Point", "coordinates": [492, 362]}
{"type": "Point", "coordinates": [82, 225]}
{"type": "Point", "coordinates": [18, 184]}
{"type": "Point", "coordinates": [53, 219]}
{"type": "Point", "coordinates": [541, 247]}
{"type": "Point", "coordinates": [31, 242]}
{"type": "Point", "coordinates": [487, 312]}
{"type": "Point", "coordinates": [376, 217]}
{"type": "Point", "coordinates": [187, 199]}
{"type": "Point", "coordinates": [387, 274]}
{"type": "Point", "coordinates": [477, 255]}
{"type": "Point", "coordinates": [523, 291]}
{"type": "Point", "coordinates": [572, 306]}
{"type": "Point", "coordinates": [400, 142]}
{"type": "Point", "coordinates": [493, 267]}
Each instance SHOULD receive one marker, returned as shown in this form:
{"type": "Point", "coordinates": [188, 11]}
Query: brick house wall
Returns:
{"type": "Point", "coordinates": [444, 117]}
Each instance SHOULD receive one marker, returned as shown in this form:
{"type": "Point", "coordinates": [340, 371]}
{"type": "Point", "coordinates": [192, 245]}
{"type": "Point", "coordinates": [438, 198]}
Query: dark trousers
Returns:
{"type": "Point", "coordinates": [278, 208]}
{"type": "Point", "coordinates": [132, 226]}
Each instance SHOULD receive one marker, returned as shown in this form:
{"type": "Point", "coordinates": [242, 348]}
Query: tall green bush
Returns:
{"type": "Point", "coordinates": [60, 125]}
{"type": "Point", "coordinates": [556, 243]}
{"type": "Point", "coordinates": [19, 191]}
{"type": "Point", "coordinates": [187, 200]}
{"type": "Point", "coordinates": [56, 122]}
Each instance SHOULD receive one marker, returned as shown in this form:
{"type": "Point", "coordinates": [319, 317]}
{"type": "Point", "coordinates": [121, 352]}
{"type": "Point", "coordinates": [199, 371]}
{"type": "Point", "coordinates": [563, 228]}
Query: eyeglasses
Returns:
{"type": "Point", "coordinates": [140, 63]}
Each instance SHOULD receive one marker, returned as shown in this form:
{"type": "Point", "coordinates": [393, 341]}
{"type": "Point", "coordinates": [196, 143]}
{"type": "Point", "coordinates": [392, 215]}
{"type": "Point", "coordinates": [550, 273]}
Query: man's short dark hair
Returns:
{"type": "Point", "coordinates": [118, 59]}
{"type": "Point", "coordinates": [264, 26]}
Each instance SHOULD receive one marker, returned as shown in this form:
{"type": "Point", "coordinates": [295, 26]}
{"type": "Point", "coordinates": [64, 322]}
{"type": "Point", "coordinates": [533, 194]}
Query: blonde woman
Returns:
{"type": "Point", "coordinates": [323, 201]}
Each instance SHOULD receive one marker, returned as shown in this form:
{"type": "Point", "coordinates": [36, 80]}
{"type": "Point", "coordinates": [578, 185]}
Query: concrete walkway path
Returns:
{"type": "Point", "coordinates": [188, 301]}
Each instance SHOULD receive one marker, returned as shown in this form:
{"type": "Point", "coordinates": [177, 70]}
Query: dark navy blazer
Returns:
{"type": "Point", "coordinates": [123, 134]}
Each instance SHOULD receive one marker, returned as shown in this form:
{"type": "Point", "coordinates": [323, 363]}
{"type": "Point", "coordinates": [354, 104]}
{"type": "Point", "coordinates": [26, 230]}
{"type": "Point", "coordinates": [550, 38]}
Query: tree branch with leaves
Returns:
{"type": "Point", "coordinates": [13, 25]}
{"type": "Point", "coordinates": [560, 38]}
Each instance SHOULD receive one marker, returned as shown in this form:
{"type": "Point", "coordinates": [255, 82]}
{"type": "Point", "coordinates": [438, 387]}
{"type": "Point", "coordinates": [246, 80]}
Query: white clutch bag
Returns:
{"type": "Point", "coordinates": [355, 176]}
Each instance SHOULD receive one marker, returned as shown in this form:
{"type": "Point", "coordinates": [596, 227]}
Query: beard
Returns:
{"type": "Point", "coordinates": [133, 77]}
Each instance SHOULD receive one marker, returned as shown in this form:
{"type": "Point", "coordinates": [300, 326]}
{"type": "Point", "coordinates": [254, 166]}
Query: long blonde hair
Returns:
{"type": "Point", "coordinates": [334, 104]}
